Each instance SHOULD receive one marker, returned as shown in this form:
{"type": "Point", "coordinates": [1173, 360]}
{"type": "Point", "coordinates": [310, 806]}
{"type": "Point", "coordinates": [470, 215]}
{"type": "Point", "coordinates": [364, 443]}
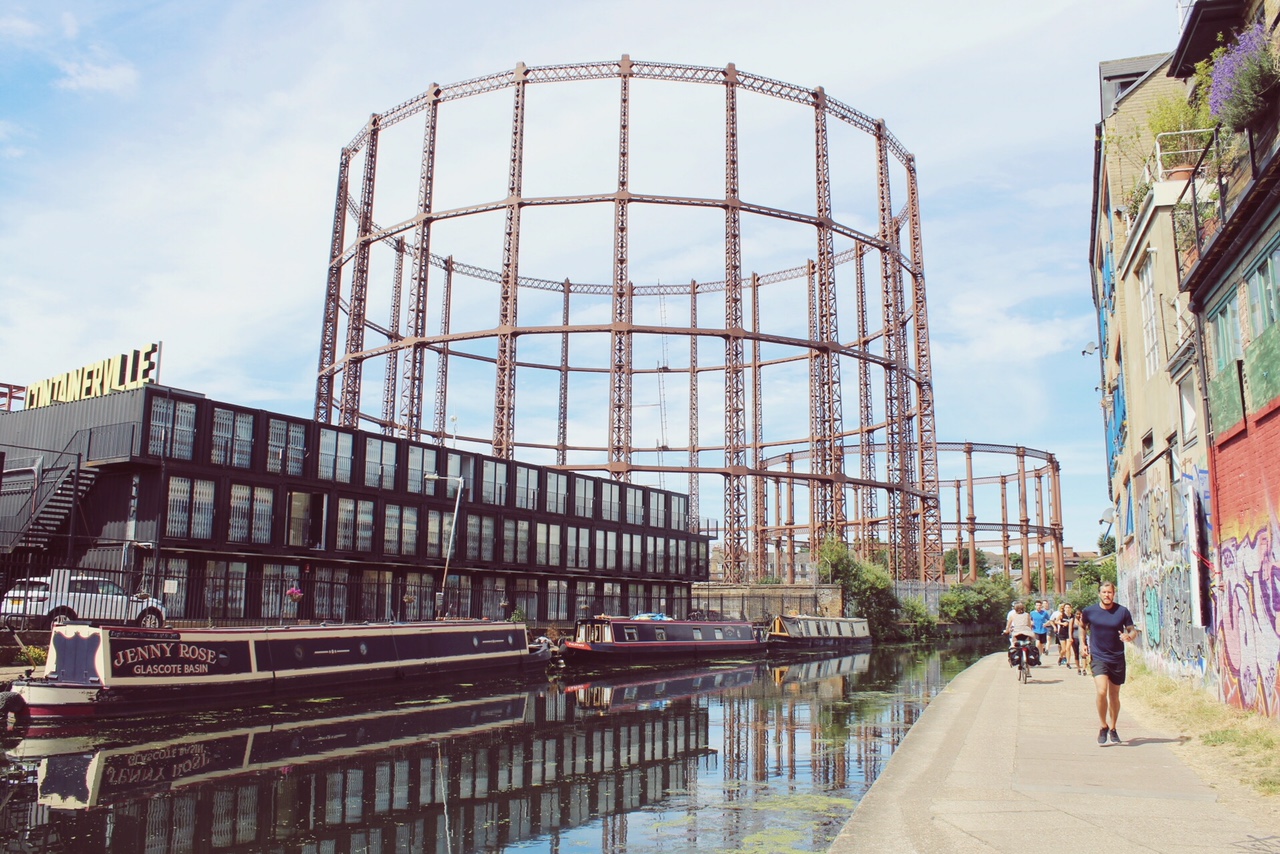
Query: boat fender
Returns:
{"type": "Point", "coordinates": [13, 704]}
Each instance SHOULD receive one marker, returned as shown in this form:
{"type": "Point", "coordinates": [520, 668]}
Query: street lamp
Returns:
{"type": "Point", "coordinates": [453, 526]}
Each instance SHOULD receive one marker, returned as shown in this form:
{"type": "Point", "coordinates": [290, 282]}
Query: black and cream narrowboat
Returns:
{"type": "Point", "coordinates": [647, 637]}
{"type": "Point", "coordinates": [105, 671]}
{"type": "Point", "coordinates": [799, 632]}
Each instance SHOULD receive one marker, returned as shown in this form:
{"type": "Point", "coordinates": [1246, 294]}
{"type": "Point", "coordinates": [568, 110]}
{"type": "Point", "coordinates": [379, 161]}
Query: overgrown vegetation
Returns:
{"type": "Point", "coordinates": [867, 587]}
{"type": "Point", "coordinates": [1244, 744]}
{"type": "Point", "coordinates": [921, 625]}
{"type": "Point", "coordinates": [32, 656]}
{"type": "Point", "coordinates": [986, 601]}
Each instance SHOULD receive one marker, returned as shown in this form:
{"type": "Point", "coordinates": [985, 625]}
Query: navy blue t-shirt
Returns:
{"type": "Point", "coordinates": [1104, 631]}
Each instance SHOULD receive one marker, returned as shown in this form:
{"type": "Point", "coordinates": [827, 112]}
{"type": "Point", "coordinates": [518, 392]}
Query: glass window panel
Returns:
{"type": "Point", "coordinates": [263, 513]}
{"type": "Point", "coordinates": [238, 518]}
{"type": "Point", "coordinates": [526, 488]}
{"type": "Point", "coordinates": [584, 496]}
{"type": "Point", "coordinates": [557, 492]}
{"type": "Point", "coordinates": [178, 520]}
{"type": "Point", "coordinates": [391, 530]}
{"type": "Point", "coordinates": [409, 530]}
{"type": "Point", "coordinates": [379, 463]}
{"type": "Point", "coordinates": [202, 496]}
{"type": "Point", "coordinates": [336, 450]}
{"type": "Point", "coordinates": [422, 461]}
{"type": "Point", "coordinates": [494, 488]}
{"type": "Point", "coordinates": [364, 526]}
{"type": "Point", "coordinates": [346, 538]}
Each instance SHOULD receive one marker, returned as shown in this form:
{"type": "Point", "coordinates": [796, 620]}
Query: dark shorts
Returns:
{"type": "Point", "coordinates": [1064, 634]}
{"type": "Point", "coordinates": [1042, 636]}
{"type": "Point", "coordinates": [1112, 670]}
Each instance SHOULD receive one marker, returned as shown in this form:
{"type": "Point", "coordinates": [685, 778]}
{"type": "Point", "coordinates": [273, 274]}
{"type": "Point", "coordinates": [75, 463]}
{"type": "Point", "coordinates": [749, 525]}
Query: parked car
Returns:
{"type": "Point", "coordinates": [67, 594]}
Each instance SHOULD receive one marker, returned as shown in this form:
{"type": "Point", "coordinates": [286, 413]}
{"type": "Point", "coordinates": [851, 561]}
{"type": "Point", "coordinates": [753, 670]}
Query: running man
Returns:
{"type": "Point", "coordinates": [1040, 624]}
{"type": "Point", "coordinates": [1107, 626]}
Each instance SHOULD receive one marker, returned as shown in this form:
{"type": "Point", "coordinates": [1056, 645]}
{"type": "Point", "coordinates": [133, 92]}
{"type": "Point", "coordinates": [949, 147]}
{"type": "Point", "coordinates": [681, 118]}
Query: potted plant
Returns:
{"type": "Point", "coordinates": [1243, 78]}
{"type": "Point", "coordinates": [1181, 128]}
{"type": "Point", "coordinates": [294, 595]}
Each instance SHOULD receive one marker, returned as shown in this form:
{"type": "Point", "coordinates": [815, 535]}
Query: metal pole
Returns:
{"type": "Point", "coordinates": [453, 527]}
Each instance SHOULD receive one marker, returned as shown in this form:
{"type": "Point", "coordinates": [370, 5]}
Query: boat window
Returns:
{"type": "Point", "coordinates": [719, 634]}
{"type": "Point", "coordinates": [630, 633]}
{"type": "Point", "coordinates": [697, 634]}
{"type": "Point", "coordinates": [662, 634]}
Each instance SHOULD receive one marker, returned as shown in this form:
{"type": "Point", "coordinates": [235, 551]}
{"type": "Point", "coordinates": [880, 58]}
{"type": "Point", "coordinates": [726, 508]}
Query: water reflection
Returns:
{"type": "Point", "coordinates": [761, 755]}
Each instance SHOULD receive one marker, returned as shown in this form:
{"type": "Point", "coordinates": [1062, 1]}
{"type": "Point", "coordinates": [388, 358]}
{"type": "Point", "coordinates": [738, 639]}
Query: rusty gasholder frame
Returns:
{"type": "Point", "coordinates": [890, 428]}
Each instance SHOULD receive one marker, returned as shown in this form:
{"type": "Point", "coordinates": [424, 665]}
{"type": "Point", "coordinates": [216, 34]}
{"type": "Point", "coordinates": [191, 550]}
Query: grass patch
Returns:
{"type": "Point", "coordinates": [1243, 745]}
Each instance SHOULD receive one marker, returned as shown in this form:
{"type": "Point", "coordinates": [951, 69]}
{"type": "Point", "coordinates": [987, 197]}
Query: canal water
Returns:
{"type": "Point", "coordinates": [760, 756]}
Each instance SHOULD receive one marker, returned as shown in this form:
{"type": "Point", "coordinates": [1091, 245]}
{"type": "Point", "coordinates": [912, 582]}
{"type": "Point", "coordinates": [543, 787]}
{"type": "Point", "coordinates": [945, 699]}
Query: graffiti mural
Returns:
{"type": "Point", "coordinates": [1158, 576]}
{"type": "Point", "coordinates": [1248, 616]}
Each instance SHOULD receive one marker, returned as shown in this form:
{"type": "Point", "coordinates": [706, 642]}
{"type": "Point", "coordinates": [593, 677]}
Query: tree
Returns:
{"type": "Point", "coordinates": [1089, 576]}
{"type": "Point", "coordinates": [949, 561]}
{"type": "Point", "coordinates": [867, 587]}
{"type": "Point", "coordinates": [1106, 544]}
{"type": "Point", "coordinates": [986, 601]}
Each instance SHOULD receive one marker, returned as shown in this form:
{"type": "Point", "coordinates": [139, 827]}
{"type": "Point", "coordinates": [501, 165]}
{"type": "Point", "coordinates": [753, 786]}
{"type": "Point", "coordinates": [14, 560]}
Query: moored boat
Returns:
{"type": "Point", "coordinates": [797, 632]}
{"type": "Point", "coordinates": [655, 636]}
{"type": "Point", "coordinates": [105, 671]}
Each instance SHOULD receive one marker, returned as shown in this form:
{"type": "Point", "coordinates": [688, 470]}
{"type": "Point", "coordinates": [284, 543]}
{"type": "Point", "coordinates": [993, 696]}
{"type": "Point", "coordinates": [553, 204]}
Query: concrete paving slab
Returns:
{"type": "Point", "coordinates": [993, 764]}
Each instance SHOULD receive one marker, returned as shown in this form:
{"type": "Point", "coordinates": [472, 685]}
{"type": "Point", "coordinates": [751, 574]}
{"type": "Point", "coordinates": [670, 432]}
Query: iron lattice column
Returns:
{"type": "Point", "coordinates": [759, 484]}
{"type": "Point", "coordinates": [442, 361]}
{"type": "Point", "coordinates": [895, 407]}
{"type": "Point", "coordinates": [562, 405]}
{"type": "Point", "coordinates": [695, 511]}
{"type": "Point", "coordinates": [931, 509]}
{"type": "Point", "coordinates": [504, 397]}
{"type": "Point", "coordinates": [829, 496]}
{"type": "Point", "coordinates": [620, 373]}
{"type": "Point", "coordinates": [349, 406]}
{"type": "Point", "coordinates": [735, 427]}
{"type": "Point", "coordinates": [414, 358]}
{"type": "Point", "coordinates": [333, 295]}
{"type": "Point", "coordinates": [870, 529]}
{"type": "Point", "coordinates": [393, 333]}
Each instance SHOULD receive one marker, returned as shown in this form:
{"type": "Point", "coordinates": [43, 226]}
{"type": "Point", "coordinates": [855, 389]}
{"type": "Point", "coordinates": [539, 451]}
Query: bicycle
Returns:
{"type": "Point", "coordinates": [1023, 646]}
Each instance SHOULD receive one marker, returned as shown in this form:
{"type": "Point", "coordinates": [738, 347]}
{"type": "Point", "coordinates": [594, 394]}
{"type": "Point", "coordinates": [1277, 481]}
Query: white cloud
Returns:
{"type": "Point", "coordinates": [115, 77]}
{"type": "Point", "coordinates": [70, 26]}
{"type": "Point", "coordinates": [13, 28]}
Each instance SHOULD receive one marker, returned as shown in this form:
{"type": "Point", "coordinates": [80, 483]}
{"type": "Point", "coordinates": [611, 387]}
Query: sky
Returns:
{"type": "Point", "coordinates": [167, 173]}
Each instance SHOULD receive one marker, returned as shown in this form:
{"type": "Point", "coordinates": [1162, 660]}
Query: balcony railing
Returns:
{"type": "Point", "coordinates": [1219, 183]}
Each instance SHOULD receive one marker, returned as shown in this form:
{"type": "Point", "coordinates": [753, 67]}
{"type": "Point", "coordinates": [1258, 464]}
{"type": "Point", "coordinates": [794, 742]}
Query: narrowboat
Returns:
{"type": "Point", "coordinates": [656, 636]}
{"type": "Point", "coordinates": [113, 671]}
{"type": "Point", "coordinates": [796, 632]}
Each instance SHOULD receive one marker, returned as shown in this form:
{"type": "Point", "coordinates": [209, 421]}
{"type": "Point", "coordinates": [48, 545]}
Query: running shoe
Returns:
{"type": "Point", "coordinates": [1115, 737]}
{"type": "Point", "coordinates": [1102, 735]}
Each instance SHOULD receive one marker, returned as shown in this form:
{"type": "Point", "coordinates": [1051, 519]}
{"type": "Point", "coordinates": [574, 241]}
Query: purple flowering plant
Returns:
{"type": "Point", "coordinates": [1243, 75]}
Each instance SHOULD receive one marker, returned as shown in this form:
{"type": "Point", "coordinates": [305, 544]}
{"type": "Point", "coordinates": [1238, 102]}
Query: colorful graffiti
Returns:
{"type": "Point", "coordinates": [1158, 575]}
{"type": "Point", "coordinates": [1248, 615]}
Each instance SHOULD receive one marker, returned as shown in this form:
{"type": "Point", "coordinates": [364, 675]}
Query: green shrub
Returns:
{"type": "Point", "coordinates": [986, 601]}
{"type": "Point", "coordinates": [867, 588]}
{"type": "Point", "coordinates": [33, 656]}
{"type": "Point", "coordinates": [923, 625]}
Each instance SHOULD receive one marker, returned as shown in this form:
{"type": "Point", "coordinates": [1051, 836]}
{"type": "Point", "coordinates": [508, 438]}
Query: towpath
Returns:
{"type": "Point", "coordinates": [996, 766]}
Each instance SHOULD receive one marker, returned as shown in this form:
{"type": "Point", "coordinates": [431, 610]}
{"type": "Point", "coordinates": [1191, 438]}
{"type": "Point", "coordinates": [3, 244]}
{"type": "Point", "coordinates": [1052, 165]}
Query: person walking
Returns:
{"type": "Point", "coordinates": [1077, 641]}
{"type": "Point", "coordinates": [1108, 626]}
{"type": "Point", "coordinates": [1062, 626]}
